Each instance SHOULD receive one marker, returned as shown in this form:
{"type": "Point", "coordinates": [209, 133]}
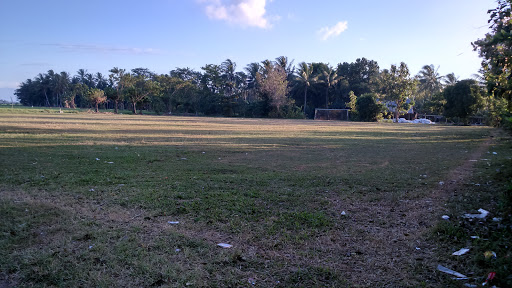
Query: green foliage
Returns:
{"type": "Point", "coordinates": [368, 109]}
{"type": "Point", "coordinates": [496, 51]}
{"type": "Point", "coordinates": [397, 86]}
{"type": "Point", "coordinates": [462, 99]}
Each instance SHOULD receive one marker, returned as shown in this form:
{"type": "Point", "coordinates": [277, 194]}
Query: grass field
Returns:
{"type": "Point", "coordinates": [86, 200]}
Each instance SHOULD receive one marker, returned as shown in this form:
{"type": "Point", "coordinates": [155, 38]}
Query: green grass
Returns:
{"type": "Point", "coordinates": [275, 189]}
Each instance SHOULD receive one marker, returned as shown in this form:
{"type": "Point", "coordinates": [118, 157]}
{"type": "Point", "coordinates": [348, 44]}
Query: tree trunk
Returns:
{"type": "Point", "coordinates": [96, 106]}
{"type": "Point", "coordinates": [327, 98]}
{"type": "Point", "coordinates": [115, 106]}
{"type": "Point", "coordinates": [134, 109]}
{"type": "Point", "coordinates": [305, 98]}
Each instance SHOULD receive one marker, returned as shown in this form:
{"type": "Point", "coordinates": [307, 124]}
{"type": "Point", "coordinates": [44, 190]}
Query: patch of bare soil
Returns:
{"type": "Point", "coordinates": [386, 243]}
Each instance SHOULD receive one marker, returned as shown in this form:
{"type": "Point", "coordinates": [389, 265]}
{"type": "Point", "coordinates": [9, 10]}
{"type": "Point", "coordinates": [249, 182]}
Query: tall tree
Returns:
{"type": "Point", "coordinates": [397, 86]}
{"type": "Point", "coordinates": [96, 97]}
{"type": "Point", "coordinates": [496, 51]}
{"type": "Point", "coordinates": [429, 81]}
{"type": "Point", "coordinates": [118, 81]}
{"type": "Point", "coordinates": [462, 99]}
{"type": "Point", "coordinates": [306, 78]}
{"type": "Point", "coordinates": [330, 78]}
{"type": "Point", "coordinates": [450, 79]}
{"type": "Point", "coordinates": [274, 86]}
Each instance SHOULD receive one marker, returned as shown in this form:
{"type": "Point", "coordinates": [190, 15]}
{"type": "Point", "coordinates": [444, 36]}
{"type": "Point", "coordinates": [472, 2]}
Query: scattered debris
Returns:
{"type": "Point", "coordinates": [120, 185]}
{"type": "Point", "coordinates": [97, 159]}
{"type": "Point", "coordinates": [495, 153]}
{"type": "Point", "coordinates": [91, 190]}
{"type": "Point", "coordinates": [475, 237]}
{"type": "Point", "coordinates": [445, 217]}
{"type": "Point", "coordinates": [423, 176]}
{"type": "Point", "coordinates": [184, 158]}
{"type": "Point", "coordinates": [110, 162]}
{"type": "Point", "coordinates": [177, 250]}
{"type": "Point", "coordinates": [482, 215]}
{"type": "Point", "coordinates": [473, 160]}
{"type": "Point", "coordinates": [490, 277]}
{"type": "Point", "coordinates": [497, 219]}
{"type": "Point", "coordinates": [460, 252]}
{"type": "Point", "coordinates": [224, 245]}
{"type": "Point", "coordinates": [204, 152]}
{"type": "Point", "coordinates": [173, 222]}
{"type": "Point", "coordinates": [490, 254]}
{"type": "Point", "coordinates": [343, 213]}
{"type": "Point", "coordinates": [418, 248]}
{"type": "Point", "coordinates": [441, 183]}
{"type": "Point", "coordinates": [90, 247]}
{"type": "Point", "coordinates": [470, 285]}
{"type": "Point", "coordinates": [451, 272]}
{"type": "Point", "coordinates": [116, 148]}
{"type": "Point", "coordinates": [251, 281]}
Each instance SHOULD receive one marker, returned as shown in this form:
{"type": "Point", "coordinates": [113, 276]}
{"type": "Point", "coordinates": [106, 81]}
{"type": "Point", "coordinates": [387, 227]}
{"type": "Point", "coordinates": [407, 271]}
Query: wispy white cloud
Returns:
{"type": "Point", "coordinates": [9, 85]}
{"type": "Point", "coordinates": [92, 48]}
{"type": "Point", "coordinates": [248, 13]}
{"type": "Point", "coordinates": [327, 32]}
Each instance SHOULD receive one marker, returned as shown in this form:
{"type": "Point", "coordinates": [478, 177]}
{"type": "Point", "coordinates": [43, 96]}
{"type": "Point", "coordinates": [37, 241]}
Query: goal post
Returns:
{"type": "Point", "coordinates": [332, 114]}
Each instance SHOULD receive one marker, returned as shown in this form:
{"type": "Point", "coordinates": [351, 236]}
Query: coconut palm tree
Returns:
{"type": "Point", "coordinates": [305, 77]}
{"type": "Point", "coordinates": [330, 77]}
{"type": "Point", "coordinates": [450, 79]}
{"type": "Point", "coordinates": [430, 80]}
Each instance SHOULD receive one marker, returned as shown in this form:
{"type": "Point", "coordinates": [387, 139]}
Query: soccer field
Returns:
{"type": "Point", "coordinates": [119, 200]}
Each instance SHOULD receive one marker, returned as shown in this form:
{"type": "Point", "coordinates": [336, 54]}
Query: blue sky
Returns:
{"type": "Point", "coordinates": [65, 35]}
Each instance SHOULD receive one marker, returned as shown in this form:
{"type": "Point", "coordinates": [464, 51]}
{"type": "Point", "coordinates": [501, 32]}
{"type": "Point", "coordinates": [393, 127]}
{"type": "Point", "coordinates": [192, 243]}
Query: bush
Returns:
{"type": "Point", "coordinates": [368, 109]}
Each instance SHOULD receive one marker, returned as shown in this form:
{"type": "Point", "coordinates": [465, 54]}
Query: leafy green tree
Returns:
{"type": "Point", "coordinates": [306, 77]}
{"type": "Point", "coordinates": [96, 97]}
{"type": "Point", "coordinates": [367, 107]}
{"type": "Point", "coordinates": [274, 86]}
{"type": "Point", "coordinates": [462, 99]}
{"type": "Point", "coordinates": [397, 86]}
{"type": "Point", "coordinates": [139, 85]}
{"type": "Point", "coordinates": [118, 82]}
{"type": "Point", "coordinates": [496, 51]}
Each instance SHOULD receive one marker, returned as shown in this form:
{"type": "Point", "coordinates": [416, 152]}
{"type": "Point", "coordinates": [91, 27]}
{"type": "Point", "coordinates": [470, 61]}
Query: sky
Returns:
{"type": "Point", "coordinates": [161, 35]}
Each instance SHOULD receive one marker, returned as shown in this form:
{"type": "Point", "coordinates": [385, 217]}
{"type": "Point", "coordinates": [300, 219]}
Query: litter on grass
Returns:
{"type": "Point", "coordinates": [496, 219]}
{"type": "Point", "coordinates": [490, 277]}
{"type": "Point", "coordinates": [110, 162]}
{"type": "Point", "coordinates": [445, 217]}
{"type": "Point", "coordinates": [470, 285]}
{"type": "Point", "coordinates": [91, 190]}
{"type": "Point", "coordinates": [475, 237]}
{"type": "Point", "coordinates": [490, 254]}
{"type": "Point", "coordinates": [343, 213]}
{"type": "Point", "coordinates": [460, 252]}
{"type": "Point", "coordinates": [224, 245]}
{"type": "Point", "coordinates": [482, 215]}
{"type": "Point", "coordinates": [97, 159]}
{"type": "Point", "coordinates": [441, 183]}
{"type": "Point", "coordinates": [495, 153]}
{"type": "Point", "coordinates": [173, 222]}
{"type": "Point", "coordinates": [451, 272]}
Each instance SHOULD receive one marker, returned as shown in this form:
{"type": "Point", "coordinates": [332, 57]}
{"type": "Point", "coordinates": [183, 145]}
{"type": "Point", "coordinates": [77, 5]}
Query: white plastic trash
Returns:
{"type": "Point", "coordinates": [460, 252]}
{"type": "Point", "coordinates": [224, 245]}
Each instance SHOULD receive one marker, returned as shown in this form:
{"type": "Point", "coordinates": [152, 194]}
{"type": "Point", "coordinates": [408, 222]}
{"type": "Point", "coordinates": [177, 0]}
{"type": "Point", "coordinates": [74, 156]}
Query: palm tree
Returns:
{"type": "Point", "coordinates": [306, 77]}
{"type": "Point", "coordinates": [287, 66]}
{"type": "Point", "coordinates": [252, 70]}
{"type": "Point", "coordinates": [430, 80]}
{"type": "Point", "coordinates": [44, 84]}
{"type": "Point", "coordinates": [450, 79]}
{"type": "Point", "coordinates": [330, 77]}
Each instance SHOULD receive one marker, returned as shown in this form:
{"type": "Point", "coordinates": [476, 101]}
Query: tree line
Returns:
{"type": "Point", "coordinates": [270, 88]}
